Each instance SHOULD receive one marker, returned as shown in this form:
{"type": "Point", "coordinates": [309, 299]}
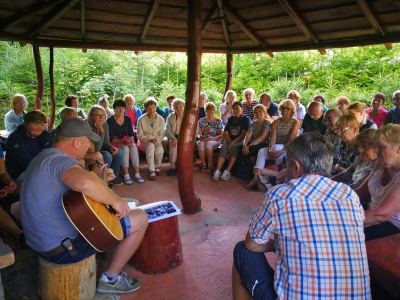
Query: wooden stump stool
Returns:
{"type": "Point", "coordinates": [69, 281]}
{"type": "Point", "coordinates": [161, 248]}
{"type": "Point", "coordinates": [384, 262]}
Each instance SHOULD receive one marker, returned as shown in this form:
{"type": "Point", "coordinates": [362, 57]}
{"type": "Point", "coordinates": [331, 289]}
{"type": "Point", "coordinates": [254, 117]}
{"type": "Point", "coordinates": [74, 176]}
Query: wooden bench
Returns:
{"type": "Point", "coordinates": [384, 262]}
{"type": "Point", "coordinates": [68, 281]}
{"type": "Point", "coordinates": [6, 259]}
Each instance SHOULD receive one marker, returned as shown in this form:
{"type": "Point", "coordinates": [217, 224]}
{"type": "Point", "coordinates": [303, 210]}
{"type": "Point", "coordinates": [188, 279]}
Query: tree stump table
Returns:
{"type": "Point", "coordinates": [161, 248]}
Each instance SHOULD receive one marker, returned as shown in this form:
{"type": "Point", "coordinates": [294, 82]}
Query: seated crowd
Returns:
{"type": "Point", "coordinates": [344, 148]}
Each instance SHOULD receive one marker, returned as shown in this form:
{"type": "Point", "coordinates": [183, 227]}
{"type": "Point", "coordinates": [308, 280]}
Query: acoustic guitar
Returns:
{"type": "Point", "coordinates": [96, 222]}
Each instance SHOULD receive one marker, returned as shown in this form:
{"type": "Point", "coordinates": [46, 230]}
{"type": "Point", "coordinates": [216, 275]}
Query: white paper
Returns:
{"type": "Point", "coordinates": [159, 210]}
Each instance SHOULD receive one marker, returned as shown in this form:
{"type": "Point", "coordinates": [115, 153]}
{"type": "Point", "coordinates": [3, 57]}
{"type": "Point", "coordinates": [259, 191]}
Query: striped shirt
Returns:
{"type": "Point", "coordinates": [249, 111]}
{"type": "Point", "coordinates": [319, 240]}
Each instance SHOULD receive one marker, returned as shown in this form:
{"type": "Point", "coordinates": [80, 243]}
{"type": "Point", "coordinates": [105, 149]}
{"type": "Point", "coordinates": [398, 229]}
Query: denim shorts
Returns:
{"type": "Point", "coordinates": [84, 248]}
{"type": "Point", "coordinates": [256, 274]}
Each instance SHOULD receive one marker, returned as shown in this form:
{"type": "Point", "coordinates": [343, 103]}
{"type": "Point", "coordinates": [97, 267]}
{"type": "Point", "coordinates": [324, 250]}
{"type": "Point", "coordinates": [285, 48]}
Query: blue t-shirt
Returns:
{"type": "Point", "coordinates": [393, 116]}
{"type": "Point", "coordinates": [43, 218]}
{"type": "Point", "coordinates": [273, 110]}
{"type": "Point", "coordinates": [235, 126]}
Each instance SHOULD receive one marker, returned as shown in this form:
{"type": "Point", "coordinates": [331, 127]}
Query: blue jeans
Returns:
{"type": "Point", "coordinates": [380, 230]}
{"type": "Point", "coordinates": [256, 274]}
{"type": "Point", "coordinates": [114, 161]}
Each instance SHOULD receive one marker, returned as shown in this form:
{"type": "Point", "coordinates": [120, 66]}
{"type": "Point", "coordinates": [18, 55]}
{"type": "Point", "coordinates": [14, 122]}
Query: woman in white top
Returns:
{"type": "Point", "coordinates": [15, 116]}
{"type": "Point", "coordinates": [225, 109]}
{"type": "Point", "coordinates": [383, 186]}
{"type": "Point", "coordinates": [300, 109]}
{"type": "Point", "coordinates": [174, 121]}
{"type": "Point", "coordinates": [150, 133]}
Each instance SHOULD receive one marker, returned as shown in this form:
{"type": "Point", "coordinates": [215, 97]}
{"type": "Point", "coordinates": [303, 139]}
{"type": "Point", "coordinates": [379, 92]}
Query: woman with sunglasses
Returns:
{"type": "Point", "coordinates": [347, 128]}
{"type": "Point", "coordinates": [283, 131]}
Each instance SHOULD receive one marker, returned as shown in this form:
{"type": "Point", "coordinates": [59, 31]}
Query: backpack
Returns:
{"type": "Point", "coordinates": [244, 167]}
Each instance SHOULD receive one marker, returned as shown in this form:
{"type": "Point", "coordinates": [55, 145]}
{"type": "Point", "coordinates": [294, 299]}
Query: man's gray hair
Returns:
{"type": "Point", "coordinates": [313, 151]}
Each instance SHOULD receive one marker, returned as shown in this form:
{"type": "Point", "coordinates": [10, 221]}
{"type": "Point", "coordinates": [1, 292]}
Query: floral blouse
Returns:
{"type": "Point", "coordinates": [209, 129]}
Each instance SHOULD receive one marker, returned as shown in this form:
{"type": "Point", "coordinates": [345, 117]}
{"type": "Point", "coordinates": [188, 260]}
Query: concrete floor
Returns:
{"type": "Point", "coordinates": [208, 239]}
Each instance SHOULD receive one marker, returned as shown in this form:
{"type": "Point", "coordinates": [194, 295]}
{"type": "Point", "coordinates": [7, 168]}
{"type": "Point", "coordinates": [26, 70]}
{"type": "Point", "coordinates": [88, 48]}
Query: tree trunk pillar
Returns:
{"type": "Point", "coordinates": [52, 92]}
{"type": "Point", "coordinates": [228, 84]}
{"type": "Point", "coordinates": [190, 201]}
{"type": "Point", "coordinates": [40, 78]}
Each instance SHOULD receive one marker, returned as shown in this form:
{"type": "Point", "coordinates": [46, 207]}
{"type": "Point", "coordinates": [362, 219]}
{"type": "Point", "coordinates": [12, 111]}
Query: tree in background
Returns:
{"type": "Point", "coordinates": [356, 72]}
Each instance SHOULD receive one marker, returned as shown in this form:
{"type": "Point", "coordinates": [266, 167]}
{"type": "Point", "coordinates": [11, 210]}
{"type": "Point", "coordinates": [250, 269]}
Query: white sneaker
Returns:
{"type": "Point", "coordinates": [216, 175]}
{"type": "Point", "coordinates": [226, 175]}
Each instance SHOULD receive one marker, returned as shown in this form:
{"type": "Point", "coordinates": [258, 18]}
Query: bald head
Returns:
{"type": "Point", "coordinates": [315, 110]}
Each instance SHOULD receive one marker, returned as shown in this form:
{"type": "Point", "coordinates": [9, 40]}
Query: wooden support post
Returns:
{"type": "Point", "coordinates": [161, 248]}
{"type": "Point", "coordinates": [69, 281]}
{"type": "Point", "coordinates": [190, 202]}
{"type": "Point", "coordinates": [52, 92]}
{"type": "Point", "coordinates": [40, 78]}
{"type": "Point", "coordinates": [228, 83]}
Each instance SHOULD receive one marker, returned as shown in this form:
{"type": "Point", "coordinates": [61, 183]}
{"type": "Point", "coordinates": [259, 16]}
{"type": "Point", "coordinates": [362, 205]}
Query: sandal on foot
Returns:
{"type": "Point", "coordinates": [128, 181]}
{"type": "Point", "coordinates": [158, 171]}
{"type": "Point", "coordinates": [203, 169]}
{"type": "Point", "coordinates": [139, 179]}
{"type": "Point", "coordinates": [209, 169]}
{"type": "Point", "coordinates": [153, 176]}
{"type": "Point", "coordinates": [252, 183]}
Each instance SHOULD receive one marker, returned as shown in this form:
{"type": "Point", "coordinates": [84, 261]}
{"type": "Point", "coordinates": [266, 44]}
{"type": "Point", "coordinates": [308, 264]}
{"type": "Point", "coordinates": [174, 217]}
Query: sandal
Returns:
{"type": "Point", "coordinates": [139, 179]}
{"type": "Point", "coordinates": [203, 169]}
{"type": "Point", "coordinates": [209, 169]}
{"type": "Point", "coordinates": [128, 181]}
{"type": "Point", "coordinates": [252, 183]}
{"type": "Point", "coordinates": [153, 176]}
{"type": "Point", "coordinates": [158, 171]}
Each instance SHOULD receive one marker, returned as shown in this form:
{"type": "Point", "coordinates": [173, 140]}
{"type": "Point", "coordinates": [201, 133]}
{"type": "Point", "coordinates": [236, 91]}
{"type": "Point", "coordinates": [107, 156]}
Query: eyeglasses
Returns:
{"type": "Point", "coordinates": [21, 103]}
{"type": "Point", "coordinates": [99, 116]}
{"type": "Point", "coordinates": [283, 108]}
{"type": "Point", "coordinates": [341, 130]}
{"type": "Point", "coordinates": [329, 119]}
{"type": "Point", "coordinates": [396, 99]}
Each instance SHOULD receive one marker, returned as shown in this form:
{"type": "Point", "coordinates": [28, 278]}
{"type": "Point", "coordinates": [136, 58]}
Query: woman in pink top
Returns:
{"type": "Point", "coordinates": [376, 112]}
{"type": "Point", "coordinates": [132, 110]}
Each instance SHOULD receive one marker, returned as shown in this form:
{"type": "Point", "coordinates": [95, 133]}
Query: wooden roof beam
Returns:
{"type": "Point", "coordinates": [209, 20]}
{"type": "Point", "coordinates": [83, 20]}
{"type": "Point", "coordinates": [238, 22]}
{"type": "Point", "coordinates": [47, 23]}
{"type": "Point", "coordinates": [223, 22]}
{"type": "Point", "coordinates": [371, 17]}
{"type": "Point", "coordinates": [299, 21]}
{"type": "Point", "coordinates": [29, 12]}
{"type": "Point", "coordinates": [148, 21]}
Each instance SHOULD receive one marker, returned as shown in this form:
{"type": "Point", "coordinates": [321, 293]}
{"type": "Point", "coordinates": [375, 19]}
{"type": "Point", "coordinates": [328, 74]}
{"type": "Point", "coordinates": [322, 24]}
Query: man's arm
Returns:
{"type": "Point", "coordinates": [92, 186]}
{"type": "Point", "coordinates": [253, 246]}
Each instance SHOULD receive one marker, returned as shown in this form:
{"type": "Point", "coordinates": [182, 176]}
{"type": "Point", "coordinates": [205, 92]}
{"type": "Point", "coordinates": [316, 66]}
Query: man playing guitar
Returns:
{"type": "Point", "coordinates": [48, 229]}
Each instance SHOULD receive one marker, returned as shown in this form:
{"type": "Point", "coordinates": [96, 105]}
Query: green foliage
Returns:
{"type": "Point", "coordinates": [355, 72]}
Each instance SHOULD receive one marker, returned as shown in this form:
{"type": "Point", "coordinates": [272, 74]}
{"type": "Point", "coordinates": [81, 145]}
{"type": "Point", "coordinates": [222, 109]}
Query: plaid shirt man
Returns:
{"type": "Point", "coordinates": [319, 239]}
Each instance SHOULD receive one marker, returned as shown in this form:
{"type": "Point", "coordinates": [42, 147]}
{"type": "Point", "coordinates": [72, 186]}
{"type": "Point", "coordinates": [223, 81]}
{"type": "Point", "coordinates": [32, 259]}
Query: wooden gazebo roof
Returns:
{"type": "Point", "coordinates": [230, 26]}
